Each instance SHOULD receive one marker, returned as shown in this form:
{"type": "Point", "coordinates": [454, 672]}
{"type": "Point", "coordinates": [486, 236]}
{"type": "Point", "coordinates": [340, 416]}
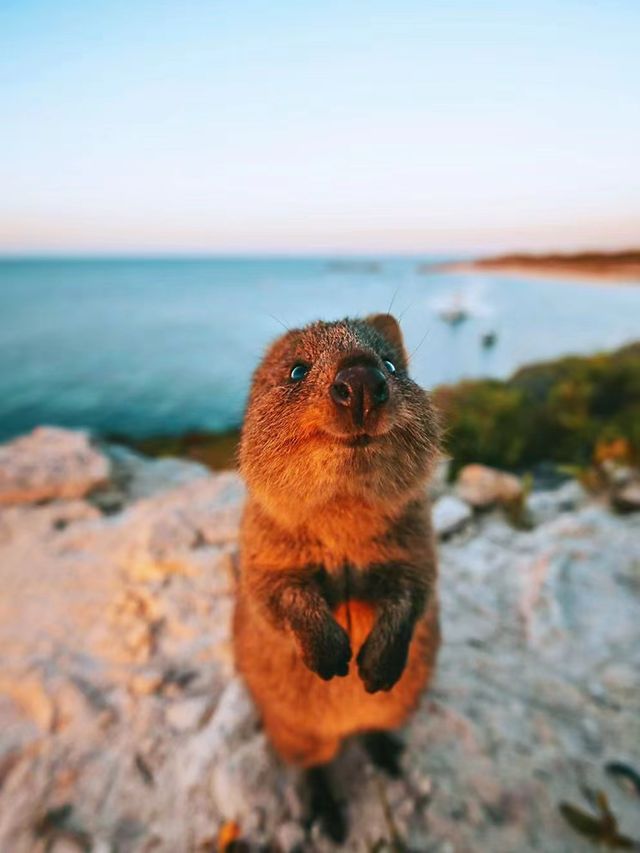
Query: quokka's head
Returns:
{"type": "Point", "coordinates": [333, 413]}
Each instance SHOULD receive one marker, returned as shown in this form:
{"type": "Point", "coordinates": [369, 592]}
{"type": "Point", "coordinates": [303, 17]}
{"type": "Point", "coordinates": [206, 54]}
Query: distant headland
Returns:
{"type": "Point", "coordinates": [623, 266]}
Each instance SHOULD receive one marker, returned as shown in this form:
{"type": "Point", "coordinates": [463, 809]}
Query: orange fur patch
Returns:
{"type": "Point", "coordinates": [357, 618]}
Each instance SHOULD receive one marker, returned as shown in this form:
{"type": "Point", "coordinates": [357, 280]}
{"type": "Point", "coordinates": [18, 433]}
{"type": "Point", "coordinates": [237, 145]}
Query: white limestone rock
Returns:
{"type": "Point", "coordinates": [449, 515]}
{"type": "Point", "coordinates": [50, 463]}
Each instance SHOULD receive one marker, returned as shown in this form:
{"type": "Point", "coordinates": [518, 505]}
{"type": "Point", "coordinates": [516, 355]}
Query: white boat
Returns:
{"type": "Point", "coordinates": [456, 312]}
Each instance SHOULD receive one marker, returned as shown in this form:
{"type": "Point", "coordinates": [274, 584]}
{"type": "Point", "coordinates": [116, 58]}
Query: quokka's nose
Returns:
{"type": "Point", "coordinates": [361, 388]}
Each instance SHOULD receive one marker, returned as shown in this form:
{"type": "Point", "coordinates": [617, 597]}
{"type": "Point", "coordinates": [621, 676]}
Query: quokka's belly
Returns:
{"type": "Point", "coordinates": [347, 703]}
{"type": "Point", "coordinates": [285, 689]}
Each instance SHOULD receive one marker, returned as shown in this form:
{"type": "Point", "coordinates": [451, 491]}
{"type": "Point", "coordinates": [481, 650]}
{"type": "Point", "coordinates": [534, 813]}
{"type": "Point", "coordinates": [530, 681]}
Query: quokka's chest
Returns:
{"type": "Point", "coordinates": [349, 594]}
{"type": "Point", "coordinates": [357, 618]}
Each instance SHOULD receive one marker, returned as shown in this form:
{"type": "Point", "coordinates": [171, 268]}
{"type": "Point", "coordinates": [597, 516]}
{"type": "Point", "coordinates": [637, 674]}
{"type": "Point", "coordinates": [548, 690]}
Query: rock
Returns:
{"type": "Point", "coordinates": [118, 694]}
{"type": "Point", "coordinates": [450, 514]}
{"type": "Point", "coordinates": [50, 463]}
{"type": "Point", "coordinates": [439, 482]}
{"type": "Point", "coordinates": [140, 477]}
{"type": "Point", "coordinates": [290, 837]}
{"type": "Point", "coordinates": [188, 714]}
{"type": "Point", "coordinates": [482, 487]}
{"type": "Point", "coordinates": [542, 506]}
{"type": "Point", "coordinates": [627, 498]}
{"type": "Point", "coordinates": [29, 694]}
{"type": "Point", "coordinates": [621, 679]}
{"type": "Point", "coordinates": [242, 781]}
{"type": "Point", "coordinates": [617, 475]}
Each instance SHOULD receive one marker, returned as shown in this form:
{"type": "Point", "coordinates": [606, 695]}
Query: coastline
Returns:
{"type": "Point", "coordinates": [597, 267]}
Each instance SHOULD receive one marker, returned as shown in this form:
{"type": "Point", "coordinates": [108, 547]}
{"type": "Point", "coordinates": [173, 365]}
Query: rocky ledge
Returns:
{"type": "Point", "coordinates": [124, 728]}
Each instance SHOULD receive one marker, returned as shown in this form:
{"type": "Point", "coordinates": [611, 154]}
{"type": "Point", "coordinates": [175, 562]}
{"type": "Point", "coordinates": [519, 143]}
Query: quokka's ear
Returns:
{"type": "Point", "coordinates": [389, 328]}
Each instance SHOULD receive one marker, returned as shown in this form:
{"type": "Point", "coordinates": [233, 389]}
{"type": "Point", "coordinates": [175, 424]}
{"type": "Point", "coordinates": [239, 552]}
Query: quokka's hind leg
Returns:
{"type": "Point", "coordinates": [385, 751]}
{"type": "Point", "coordinates": [313, 755]}
{"type": "Point", "coordinates": [324, 806]}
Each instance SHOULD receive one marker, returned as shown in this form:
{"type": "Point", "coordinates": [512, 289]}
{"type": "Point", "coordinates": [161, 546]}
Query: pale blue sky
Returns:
{"type": "Point", "coordinates": [326, 126]}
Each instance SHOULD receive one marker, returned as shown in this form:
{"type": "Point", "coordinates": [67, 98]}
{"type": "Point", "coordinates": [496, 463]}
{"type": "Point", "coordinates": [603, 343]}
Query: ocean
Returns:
{"type": "Point", "coordinates": [141, 347]}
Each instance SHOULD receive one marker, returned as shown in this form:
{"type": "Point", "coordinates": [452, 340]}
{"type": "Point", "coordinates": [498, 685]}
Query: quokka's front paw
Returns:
{"type": "Point", "coordinates": [326, 650]}
{"type": "Point", "coordinates": [382, 658]}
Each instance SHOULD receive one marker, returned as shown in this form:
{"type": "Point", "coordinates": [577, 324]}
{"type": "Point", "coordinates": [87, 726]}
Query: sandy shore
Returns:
{"type": "Point", "coordinates": [614, 267]}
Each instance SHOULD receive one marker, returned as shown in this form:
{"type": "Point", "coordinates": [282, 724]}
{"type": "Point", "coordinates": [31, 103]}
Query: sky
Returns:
{"type": "Point", "coordinates": [289, 127]}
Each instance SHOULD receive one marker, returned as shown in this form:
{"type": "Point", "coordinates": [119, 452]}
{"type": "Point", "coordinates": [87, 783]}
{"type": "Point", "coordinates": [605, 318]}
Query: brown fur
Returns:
{"type": "Point", "coordinates": [336, 622]}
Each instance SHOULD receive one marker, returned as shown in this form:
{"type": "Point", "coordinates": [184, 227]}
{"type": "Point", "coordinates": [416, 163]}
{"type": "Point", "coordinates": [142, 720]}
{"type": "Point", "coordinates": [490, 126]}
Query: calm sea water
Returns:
{"type": "Point", "coordinates": [144, 347]}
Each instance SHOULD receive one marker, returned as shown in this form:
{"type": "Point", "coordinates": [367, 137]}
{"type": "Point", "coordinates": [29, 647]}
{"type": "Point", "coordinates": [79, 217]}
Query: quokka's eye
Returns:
{"type": "Point", "coordinates": [390, 366]}
{"type": "Point", "coordinates": [298, 372]}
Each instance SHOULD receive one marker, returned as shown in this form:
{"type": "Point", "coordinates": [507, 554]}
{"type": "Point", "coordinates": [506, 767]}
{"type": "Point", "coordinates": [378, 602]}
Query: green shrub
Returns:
{"type": "Point", "coordinates": [566, 411]}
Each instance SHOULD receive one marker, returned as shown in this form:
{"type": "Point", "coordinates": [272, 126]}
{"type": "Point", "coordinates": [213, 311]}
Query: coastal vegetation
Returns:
{"type": "Point", "coordinates": [215, 450]}
{"type": "Point", "coordinates": [573, 411]}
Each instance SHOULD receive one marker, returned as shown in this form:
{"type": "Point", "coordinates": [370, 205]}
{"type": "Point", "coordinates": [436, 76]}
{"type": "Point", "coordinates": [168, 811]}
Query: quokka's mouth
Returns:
{"type": "Point", "coordinates": [360, 440]}
{"type": "Point", "coordinates": [356, 440]}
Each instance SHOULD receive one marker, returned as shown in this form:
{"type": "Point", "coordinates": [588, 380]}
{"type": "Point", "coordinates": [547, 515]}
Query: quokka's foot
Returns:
{"type": "Point", "coordinates": [324, 807]}
{"type": "Point", "coordinates": [385, 750]}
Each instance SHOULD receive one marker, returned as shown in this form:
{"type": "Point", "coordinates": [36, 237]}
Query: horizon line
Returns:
{"type": "Point", "coordinates": [339, 254]}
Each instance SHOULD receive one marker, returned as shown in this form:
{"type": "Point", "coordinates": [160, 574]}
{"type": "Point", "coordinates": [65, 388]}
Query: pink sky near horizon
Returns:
{"type": "Point", "coordinates": [178, 239]}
